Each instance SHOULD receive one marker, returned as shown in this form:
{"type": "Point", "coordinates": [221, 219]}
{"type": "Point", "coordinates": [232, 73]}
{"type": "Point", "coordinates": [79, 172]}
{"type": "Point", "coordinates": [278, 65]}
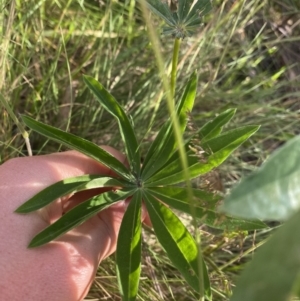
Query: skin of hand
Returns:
{"type": "Point", "coordinates": [64, 269]}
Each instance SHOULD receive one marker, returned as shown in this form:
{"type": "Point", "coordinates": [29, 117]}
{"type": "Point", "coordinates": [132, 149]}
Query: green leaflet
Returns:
{"type": "Point", "coordinates": [204, 207]}
{"type": "Point", "coordinates": [128, 254]}
{"type": "Point", "coordinates": [165, 143]}
{"type": "Point", "coordinates": [84, 146]}
{"type": "Point", "coordinates": [214, 127]}
{"type": "Point", "coordinates": [231, 140]}
{"type": "Point", "coordinates": [201, 7]}
{"type": "Point", "coordinates": [178, 243]}
{"type": "Point", "coordinates": [126, 130]}
{"type": "Point", "coordinates": [271, 193]}
{"type": "Point", "coordinates": [274, 269]}
{"type": "Point", "coordinates": [162, 10]}
{"type": "Point", "coordinates": [65, 187]}
{"type": "Point", "coordinates": [78, 215]}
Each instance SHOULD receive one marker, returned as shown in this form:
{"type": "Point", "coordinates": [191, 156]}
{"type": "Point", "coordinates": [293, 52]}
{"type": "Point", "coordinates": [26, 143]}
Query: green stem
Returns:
{"type": "Point", "coordinates": [177, 43]}
{"type": "Point", "coordinates": [169, 87]}
{"type": "Point", "coordinates": [16, 121]}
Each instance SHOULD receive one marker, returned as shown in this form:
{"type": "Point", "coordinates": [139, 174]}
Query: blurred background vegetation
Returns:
{"type": "Point", "coordinates": [247, 54]}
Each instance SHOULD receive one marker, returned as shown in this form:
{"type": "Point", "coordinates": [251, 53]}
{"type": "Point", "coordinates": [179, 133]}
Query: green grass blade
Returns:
{"type": "Point", "coordinates": [84, 146]}
{"type": "Point", "coordinates": [65, 187]}
{"type": "Point", "coordinates": [78, 215]}
{"type": "Point", "coordinates": [176, 240]}
{"type": "Point", "coordinates": [271, 193]}
{"type": "Point", "coordinates": [205, 208]}
{"type": "Point", "coordinates": [221, 146]}
{"type": "Point", "coordinates": [273, 273]}
{"type": "Point", "coordinates": [128, 254]}
{"type": "Point", "coordinates": [164, 144]}
{"type": "Point", "coordinates": [214, 127]}
{"type": "Point", "coordinates": [126, 130]}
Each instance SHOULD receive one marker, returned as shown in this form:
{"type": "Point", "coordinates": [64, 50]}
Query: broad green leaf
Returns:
{"type": "Point", "coordinates": [128, 254]}
{"type": "Point", "coordinates": [273, 192]}
{"type": "Point", "coordinates": [177, 242]}
{"type": "Point", "coordinates": [161, 9]}
{"type": "Point", "coordinates": [84, 146]}
{"type": "Point", "coordinates": [275, 267]}
{"type": "Point", "coordinates": [204, 208]}
{"type": "Point", "coordinates": [65, 187]}
{"type": "Point", "coordinates": [78, 215]}
{"type": "Point", "coordinates": [214, 127]}
{"type": "Point", "coordinates": [126, 130]}
{"type": "Point", "coordinates": [224, 145]}
{"type": "Point", "coordinates": [165, 143]}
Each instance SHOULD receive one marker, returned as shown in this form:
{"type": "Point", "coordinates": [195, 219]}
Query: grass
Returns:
{"type": "Point", "coordinates": [246, 56]}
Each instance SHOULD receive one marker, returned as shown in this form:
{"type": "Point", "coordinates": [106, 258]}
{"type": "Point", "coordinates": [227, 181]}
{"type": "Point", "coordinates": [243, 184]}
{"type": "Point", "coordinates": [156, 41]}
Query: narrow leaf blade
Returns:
{"type": "Point", "coordinates": [128, 254]}
{"type": "Point", "coordinates": [186, 102]}
{"type": "Point", "coordinates": [230, 138]}
{"type": "Point", "coordinates": [214, 127]}
{"type": "Point", "coordinates": [165, 143]}
{"type": "Point", "coordinates": [204, 207]}
{"type": "Point", "coordinates": [271, 193]}
{"type": "Point", "coordinates": [78, 215]}
{"type": "Point", "coordinates": [65, 187]}
{"type": "Point", "coordinates": [200, 8]}
{"type": "Point", "coordinates": [162, 10]}
{"type": "Point", "coordinates": [184, 7]}
{"type": "Point", "coordinates": [223, 146]}
{"type": "Point", "coordinates": [84, 146]}
{"type": "Point", "coordinates": [177, 242]}
{"type": "Point", "coordinates": [126, 130]}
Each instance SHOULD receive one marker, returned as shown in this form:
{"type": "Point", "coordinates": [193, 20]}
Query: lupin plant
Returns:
{"type": "Point", "coordinates": [154, 181]}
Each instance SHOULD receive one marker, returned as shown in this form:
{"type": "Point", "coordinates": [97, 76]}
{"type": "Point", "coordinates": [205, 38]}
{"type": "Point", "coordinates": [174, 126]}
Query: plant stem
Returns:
{"type": "Point", "coordinates": [169, 88]}
{"type": "Point", "coordinates": [177, 43]}
{"type": "Point", "coordinates": [16, 121]}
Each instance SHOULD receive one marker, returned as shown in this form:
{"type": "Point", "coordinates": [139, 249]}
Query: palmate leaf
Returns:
{"type": "Point", "coordinates": [273, 192]}
{"type": "Point", "coordinates": [128, 254]}
{"type": "Point", "coordinates": [273, 272]}
{"type": "Point", "coordinates": [187, 18]}
{"type": "Point", "coordinates": [68, 186]}
{"type": "Point", "coordinates": [84, 146]}
{"type": "Point", "coordinates": [179, 244]}
{"type": "Point", "coordinates": [126, 130]}
{"type": "Point", "coordinates": [204, 208]}
{"type": "Point", "coordinates": [165, 143]}
{"type": "Point", "coordinates": [223, 146]}
{"type": "Point", "coordinates": [78, 215]}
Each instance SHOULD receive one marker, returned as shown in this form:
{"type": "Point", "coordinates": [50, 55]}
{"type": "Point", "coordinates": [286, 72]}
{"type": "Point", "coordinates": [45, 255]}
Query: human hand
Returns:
{"type": "Point", "coordinates": [62, 270]}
